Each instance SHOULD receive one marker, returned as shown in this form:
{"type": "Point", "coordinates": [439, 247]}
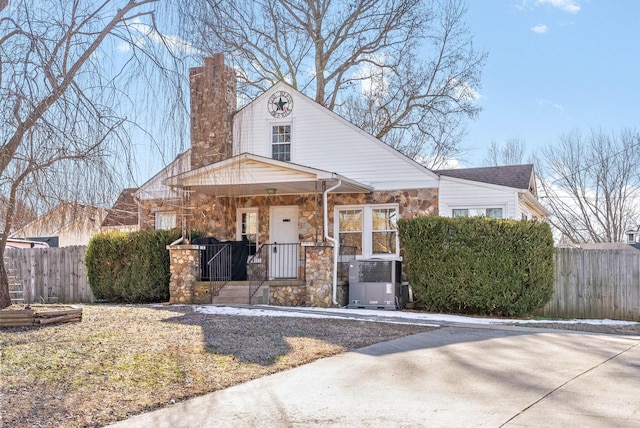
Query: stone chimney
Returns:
{"type": "Point", "coordinates": [213, 103]}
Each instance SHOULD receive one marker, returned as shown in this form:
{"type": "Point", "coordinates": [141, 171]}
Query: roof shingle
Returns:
{"type": "Point", "coordinates": [517, 176]}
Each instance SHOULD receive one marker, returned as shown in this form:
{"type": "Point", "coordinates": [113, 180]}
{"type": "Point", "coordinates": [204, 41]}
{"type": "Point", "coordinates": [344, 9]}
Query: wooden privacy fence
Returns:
{"type": "Point", "coordinates": [52, 275]}
{"type": "Point", "coordinates": [596, 284]}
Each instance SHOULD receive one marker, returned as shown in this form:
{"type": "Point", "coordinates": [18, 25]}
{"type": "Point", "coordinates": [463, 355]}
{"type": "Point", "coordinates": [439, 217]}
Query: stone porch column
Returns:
{"type": "Point", "coordinates": [319, 273]}
{"type": "Point", "coordinates": [185, 271]}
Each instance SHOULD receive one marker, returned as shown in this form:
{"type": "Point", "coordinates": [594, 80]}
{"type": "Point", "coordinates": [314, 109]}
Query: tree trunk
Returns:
{"type": "Point", "coordinates": [5, 298]}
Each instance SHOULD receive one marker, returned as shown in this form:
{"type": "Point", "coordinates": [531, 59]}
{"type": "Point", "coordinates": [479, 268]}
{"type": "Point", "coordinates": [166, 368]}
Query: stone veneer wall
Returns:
{"type": "Point", "coordinates": [319, 274]}
{"type": "Point", "coordinates": [184, 270]}
{"type": "Point", "coordinates": [216, 216]}
{"type": "Point", "coordinates": [288, 295]}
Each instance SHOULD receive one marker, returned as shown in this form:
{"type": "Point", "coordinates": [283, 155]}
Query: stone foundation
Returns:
{"type": "Point", "coordinates": [288, 295]}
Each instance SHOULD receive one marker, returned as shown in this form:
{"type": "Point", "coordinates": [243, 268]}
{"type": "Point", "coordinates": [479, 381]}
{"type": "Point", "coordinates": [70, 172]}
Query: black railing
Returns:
{"type": "Point", "coordinates": [257, 271]}
{"type": "Point", "coordinates": [275, 261]}
{"type": "Point", "coordinates": [218, 267]}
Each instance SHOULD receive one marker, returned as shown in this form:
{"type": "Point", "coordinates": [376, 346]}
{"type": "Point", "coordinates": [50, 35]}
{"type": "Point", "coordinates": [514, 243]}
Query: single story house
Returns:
{"type": "Point", "coordinates": [303, 188]}
{"type": "Point", "coordinates": [65, 225]}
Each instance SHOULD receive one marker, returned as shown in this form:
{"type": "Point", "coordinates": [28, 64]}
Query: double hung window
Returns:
{"type": "Point", "coordinates": [281, 142]}
{"type": "Point", "coordinates": [165, 221]}
{"type": "Point", "coordinates": [371, 229]}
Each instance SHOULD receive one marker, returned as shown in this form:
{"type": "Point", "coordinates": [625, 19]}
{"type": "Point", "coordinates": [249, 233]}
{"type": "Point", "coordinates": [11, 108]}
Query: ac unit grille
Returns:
{"type": "Point", "coordinates": [375, 271]}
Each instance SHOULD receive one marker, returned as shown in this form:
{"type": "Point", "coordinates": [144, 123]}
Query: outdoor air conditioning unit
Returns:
{"type": "Point", "coordinates": [376, 284]}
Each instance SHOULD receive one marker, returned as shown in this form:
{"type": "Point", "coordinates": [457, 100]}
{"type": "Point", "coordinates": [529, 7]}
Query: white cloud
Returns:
{"type": "Point", "coordinates": [464, 91]}
{"type": "Point", "coordinates": [555, 106]}
{"type": "Point", "coordinates": [569, 6]}
{"type": "Point", "coordinates": [123, 47]}
{"type": "Point", "coordinates": [540, 29]}
{"type": "Point", "coordinates": [146, 32]}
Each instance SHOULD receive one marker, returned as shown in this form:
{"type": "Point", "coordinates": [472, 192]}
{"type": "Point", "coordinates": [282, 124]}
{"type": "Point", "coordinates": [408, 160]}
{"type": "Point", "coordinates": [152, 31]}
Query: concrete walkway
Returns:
{"type": "Point", "coordinates": [456, 376]}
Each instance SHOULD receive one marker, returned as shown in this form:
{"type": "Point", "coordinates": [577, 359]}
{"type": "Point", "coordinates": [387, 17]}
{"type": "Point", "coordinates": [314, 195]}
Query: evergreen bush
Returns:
{"type": "Point", "coordinates": [478, 265]}
{"type": "Point", "coordinates": [130, 267]}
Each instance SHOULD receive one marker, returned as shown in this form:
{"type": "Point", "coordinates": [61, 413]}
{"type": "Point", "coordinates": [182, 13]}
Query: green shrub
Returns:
{"type": "Point", "coordinates": [130, 267]}
{"type": "Point", "coordinates": [478, 265]}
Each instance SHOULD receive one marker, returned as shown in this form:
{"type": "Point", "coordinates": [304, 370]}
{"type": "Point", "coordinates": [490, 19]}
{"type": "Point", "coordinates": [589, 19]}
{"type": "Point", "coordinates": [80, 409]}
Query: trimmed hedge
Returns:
{"type": "Point", "coordinates": [478, 265]}
{"type": "Point", "coordinates": [130, 267]}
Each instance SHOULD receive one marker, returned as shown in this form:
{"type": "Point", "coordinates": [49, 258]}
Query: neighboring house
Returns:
{"type": "Point", "coordinates": [285, 169]}
{"type": "Point", "coordinates": [123, 216]}
{"type": "Point", "coordinates": [632, 237]}
{"type": "Point", "coordinates": [65, 225]}
{"type": "Point", "coordinates": [23, 243]}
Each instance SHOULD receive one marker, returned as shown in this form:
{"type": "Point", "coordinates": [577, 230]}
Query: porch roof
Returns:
{"type": "Point", "coordinates": [251, 175]}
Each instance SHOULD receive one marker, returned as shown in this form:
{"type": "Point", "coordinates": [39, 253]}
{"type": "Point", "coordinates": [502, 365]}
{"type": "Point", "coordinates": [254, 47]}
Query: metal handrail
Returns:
{"type": "Point", "coordinates": [256, 271]}
{"type": "Point", "coordinates": [219, 270]}
{"type": "Point", "coordinates": [275, 261]}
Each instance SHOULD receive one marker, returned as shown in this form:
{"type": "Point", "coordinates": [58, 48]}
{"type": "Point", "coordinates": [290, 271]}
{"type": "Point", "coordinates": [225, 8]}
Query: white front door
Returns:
{"type": "Point", "coordinates": [283, 237]}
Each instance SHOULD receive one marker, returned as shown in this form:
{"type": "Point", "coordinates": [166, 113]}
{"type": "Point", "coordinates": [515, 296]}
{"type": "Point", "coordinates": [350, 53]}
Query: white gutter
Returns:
{"type": "Point", "coordinates": [336, 244]}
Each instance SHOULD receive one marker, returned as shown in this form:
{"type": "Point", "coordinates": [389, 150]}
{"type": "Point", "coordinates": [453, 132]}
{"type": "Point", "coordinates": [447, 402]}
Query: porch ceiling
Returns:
{"type": "Point", "coordinates": [281, 188]}
{"type": "Point", "coordinates": [252, 175]}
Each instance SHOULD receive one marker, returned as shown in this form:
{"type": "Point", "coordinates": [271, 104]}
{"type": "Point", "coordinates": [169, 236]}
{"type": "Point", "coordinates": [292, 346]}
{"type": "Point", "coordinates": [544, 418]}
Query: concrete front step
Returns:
{"type": "Point", "coordinates": [237, 292]}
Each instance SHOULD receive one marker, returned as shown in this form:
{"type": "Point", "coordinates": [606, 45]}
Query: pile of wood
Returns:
{"type": "Point", "coordinates": [30, 317]}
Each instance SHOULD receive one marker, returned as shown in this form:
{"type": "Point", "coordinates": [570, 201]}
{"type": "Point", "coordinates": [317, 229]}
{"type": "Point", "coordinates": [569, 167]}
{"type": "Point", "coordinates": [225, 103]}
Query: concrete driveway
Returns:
{"type": "Point", "coordinates": [456, 376]}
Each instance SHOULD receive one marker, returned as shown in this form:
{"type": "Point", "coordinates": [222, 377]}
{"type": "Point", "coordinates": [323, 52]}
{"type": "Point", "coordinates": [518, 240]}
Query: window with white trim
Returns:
{"type": "Point", "coordinates": [477, 212]}
{"type": "Point", "coordinates": [247, 227]}
{"type": "Point", "coordinates": [281, 142]}
{"type": "Point", "coordinates": [165, 221]}
{"type": "Point", "coordinates": [371, 229]}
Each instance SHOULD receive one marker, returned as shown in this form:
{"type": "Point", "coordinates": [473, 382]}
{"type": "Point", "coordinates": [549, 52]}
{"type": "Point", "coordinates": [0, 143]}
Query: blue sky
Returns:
{"type": "Point", "coordinates": [554, 66]}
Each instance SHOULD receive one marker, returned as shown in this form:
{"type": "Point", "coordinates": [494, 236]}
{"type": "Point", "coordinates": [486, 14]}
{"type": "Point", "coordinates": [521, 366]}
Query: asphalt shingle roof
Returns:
{"type": "Point", "coordinates": [517, 176]}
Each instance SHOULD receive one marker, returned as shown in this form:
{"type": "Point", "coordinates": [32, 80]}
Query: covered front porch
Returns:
{"type": "Point", "coordinates": [310, 282]}
{"type": "Point", "coordinates": [274, 212]}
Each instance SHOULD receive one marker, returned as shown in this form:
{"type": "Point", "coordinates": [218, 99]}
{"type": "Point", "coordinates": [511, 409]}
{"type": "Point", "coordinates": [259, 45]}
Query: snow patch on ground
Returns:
{"type": "Point", "coordinates": [381, 315]}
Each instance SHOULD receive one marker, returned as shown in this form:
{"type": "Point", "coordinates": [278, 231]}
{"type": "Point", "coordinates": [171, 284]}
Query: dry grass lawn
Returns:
{"type": "Point", "coordinates": [123, 360]}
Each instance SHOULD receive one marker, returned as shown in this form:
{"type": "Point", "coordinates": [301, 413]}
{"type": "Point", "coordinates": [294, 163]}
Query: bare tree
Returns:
{"type": "Point", "coordinates": [511, 152]}
{"type": "Point", "coordinates": [64, 101]}
{"type": "Point", "coordinates": [403, 70]}
{"type": "Point", "coordinates": [591, 184]}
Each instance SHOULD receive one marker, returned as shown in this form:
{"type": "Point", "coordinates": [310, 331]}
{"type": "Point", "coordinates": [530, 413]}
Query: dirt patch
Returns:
{"type": "Point", "coordinates": [124, 360]}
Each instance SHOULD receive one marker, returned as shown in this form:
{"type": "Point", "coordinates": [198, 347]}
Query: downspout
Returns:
{"type": "Point", "coordinates": [336, 244]}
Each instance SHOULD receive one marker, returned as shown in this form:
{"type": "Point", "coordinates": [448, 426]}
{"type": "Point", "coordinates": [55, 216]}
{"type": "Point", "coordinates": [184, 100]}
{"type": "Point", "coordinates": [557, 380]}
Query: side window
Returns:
{"type": "Point", "coordinates": [350, 229]}
{"type": "Point", "coordinates": [281, 142]}
{"type": "Point", "coordinates": [165, 221]}
{"type": "Point", "coordinates": [371, 229]}
{"type": "Point", "coordinates": [247, 228]}
{"type": "Point", "coordinates": [384, 230]}
{"type": "Point", "coordinates": [477, 212]}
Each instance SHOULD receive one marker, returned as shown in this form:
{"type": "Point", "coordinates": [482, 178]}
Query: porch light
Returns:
{"type": "Point", "coordinates": [271, 190]}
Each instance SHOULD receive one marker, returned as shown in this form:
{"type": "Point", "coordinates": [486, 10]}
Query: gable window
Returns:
{"type": "Point", "coordinates": [281, 142]}
{"type": "Point", "coordinates": [165, 221]}
{"type": "Point", "coordinates": [247, 228]}
{"type": "Point", "coordinates": [477, 212]}
{"type": "Point", "coordinates": [371, 229]}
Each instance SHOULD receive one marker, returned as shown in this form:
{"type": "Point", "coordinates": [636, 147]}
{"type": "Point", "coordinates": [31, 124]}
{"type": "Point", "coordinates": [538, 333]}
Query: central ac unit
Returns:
{"type": "Point", "coordinates": [375, 284]}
